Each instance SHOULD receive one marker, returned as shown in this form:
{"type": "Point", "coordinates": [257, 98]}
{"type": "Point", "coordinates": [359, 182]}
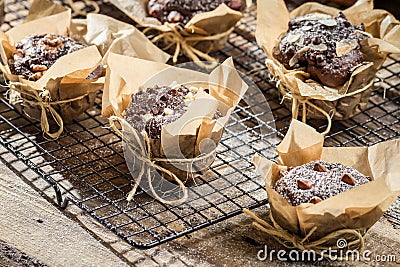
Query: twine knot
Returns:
{"type": "Point", "coordinates": [184, 39]}
{"type": "Point", "coordinates": [143, 153]}
{"type": "Point", "coordinates": [42, 98]}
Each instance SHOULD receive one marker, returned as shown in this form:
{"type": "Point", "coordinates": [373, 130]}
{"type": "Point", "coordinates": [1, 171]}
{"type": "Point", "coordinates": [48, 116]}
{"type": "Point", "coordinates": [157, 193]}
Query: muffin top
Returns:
{"type": "Point", "coordinates": [175, 11]}
{"type": "Point", "coordinates": [328, 47]}
{"type": "Point", "coordinates": [158, 106]}
{"type": "Point", "coordinates": [317, 181]}
{"type": "Point", "coordinates": [36, 53]}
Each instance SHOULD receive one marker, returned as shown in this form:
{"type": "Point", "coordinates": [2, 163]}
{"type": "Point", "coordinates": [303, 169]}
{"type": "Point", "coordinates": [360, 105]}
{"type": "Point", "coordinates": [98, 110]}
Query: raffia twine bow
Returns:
{"type": "Point", "coordinates": [43, 100]}
{"type": "Point", "coordinates": [303, 101]}
{"type": "Point", "coordinates": [148, 161]}
{"type": "Point", "coordinates": [186, 43]}
{"type": "Point", "coordinates": [320, 246]}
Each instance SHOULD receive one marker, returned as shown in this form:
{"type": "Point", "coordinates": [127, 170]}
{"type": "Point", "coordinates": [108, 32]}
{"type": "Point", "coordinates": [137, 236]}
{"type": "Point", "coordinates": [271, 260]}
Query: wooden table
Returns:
{"type": "Point", "coordinates": [72, 238]}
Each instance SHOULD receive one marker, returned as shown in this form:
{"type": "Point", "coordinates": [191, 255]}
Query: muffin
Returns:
{"type": "Point", "coordinates": [345, 190]}
{"type": "Point", "coordinates": [200, 27]}
{"type": "Point", "coordinates": [35, 54]}
{"type": "Point", "coordinates": [317, 181]}
{"type": "Point", "coordinates": [332, 79]}
{"type": "Point", "coordinates": [328, 48]}
{"type": "Point", "coordinates": [181, 11]}
{"type": "Point", "coordinates": [160, 105]}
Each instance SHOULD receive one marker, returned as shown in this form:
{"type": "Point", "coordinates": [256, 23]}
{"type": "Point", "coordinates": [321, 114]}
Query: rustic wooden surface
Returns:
{"type": "Point", "coordinates": [36, 227]}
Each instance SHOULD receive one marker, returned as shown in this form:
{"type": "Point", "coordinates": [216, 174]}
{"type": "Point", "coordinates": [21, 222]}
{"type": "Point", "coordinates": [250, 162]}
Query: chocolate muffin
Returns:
{"type": "Point", "coordinates": [175, 11]}
{"type": "Point", "coordinates": [317, 181]}
{"type": "Point", "coordinates": [36, 53]}
{"type": "Point", "coordinates": [158, 106]}
{"type": "Point", "coordinates": [329, 48]}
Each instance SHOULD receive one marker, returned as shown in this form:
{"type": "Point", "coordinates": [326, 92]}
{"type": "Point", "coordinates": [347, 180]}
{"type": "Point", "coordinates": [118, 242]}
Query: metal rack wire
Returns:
{"type": "Point", "coordinates": [86, 166]}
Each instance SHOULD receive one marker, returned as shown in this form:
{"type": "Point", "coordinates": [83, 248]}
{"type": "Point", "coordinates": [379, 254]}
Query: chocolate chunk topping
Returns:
{"type": "Point", "coordinates": [175, 11]}
{"type": "Point", "coordinates": [155, 107]}
{"type": "Point", "coordinates": [304, 184]}
{"type": "Point", "coordinates": [329, 48]}
{"type": "Point", "coordinates": [36, 53]}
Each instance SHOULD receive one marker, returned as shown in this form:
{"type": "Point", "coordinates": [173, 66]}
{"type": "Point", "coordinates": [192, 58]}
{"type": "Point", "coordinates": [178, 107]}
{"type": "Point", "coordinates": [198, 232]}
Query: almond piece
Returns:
{"type": "Point", "coordinates": [292, 38]}
{"type": "Point", "coordinates": [315, 200]}
{"type": "Point", "coordinates": [38, 67]}
{"type": "Point", "coordinates": [345, 46]}
{"type": "Point", "coordinates": [346, 178]}
{"type": "Point", "coordinates": [319, 168]}
{"type": "Point", "coordinates": [293, 61]}
{"type": "Point", "coordinates": [320, 47]}
{"type": "Point", "coordinates": [53, 42]}
{"type": "Point", "coordinates": [303, 184]}
{"type": "Point", "coordinates": [328, 22]}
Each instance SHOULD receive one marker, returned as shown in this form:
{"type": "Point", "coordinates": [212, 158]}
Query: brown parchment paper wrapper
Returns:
{"type": "Point", "coordinates": [180, 140]}
{"type": "Point", "coordinates": [358, 208]}
{"type": "Point", "coordinates": [204, 33]}
{"type": "Point", "coordinates": [351, 98]}
{"type": "Point", "coordinates": [64, 91]}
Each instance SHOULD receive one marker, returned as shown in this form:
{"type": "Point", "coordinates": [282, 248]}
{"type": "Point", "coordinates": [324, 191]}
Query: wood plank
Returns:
{"type": "Point", "coordinates": [31, 224]}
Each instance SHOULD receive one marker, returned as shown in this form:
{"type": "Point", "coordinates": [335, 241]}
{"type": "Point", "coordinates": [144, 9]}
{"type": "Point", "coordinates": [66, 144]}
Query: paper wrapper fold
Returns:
{"type": "Point", "coordinates": [321, 101]}
{"type": "Point", "coordinates": [358, 208]}
{"type": "Point", "coordinates": [64, 91]}
{"type": "Point", "coordinates": [181, 143]}
{"type": "Point", "coordinates": [204, 33]}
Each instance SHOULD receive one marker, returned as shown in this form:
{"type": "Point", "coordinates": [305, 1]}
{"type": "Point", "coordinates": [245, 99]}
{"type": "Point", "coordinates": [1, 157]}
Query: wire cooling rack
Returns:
{"type": "Point", "coordinates": [86, 166]}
